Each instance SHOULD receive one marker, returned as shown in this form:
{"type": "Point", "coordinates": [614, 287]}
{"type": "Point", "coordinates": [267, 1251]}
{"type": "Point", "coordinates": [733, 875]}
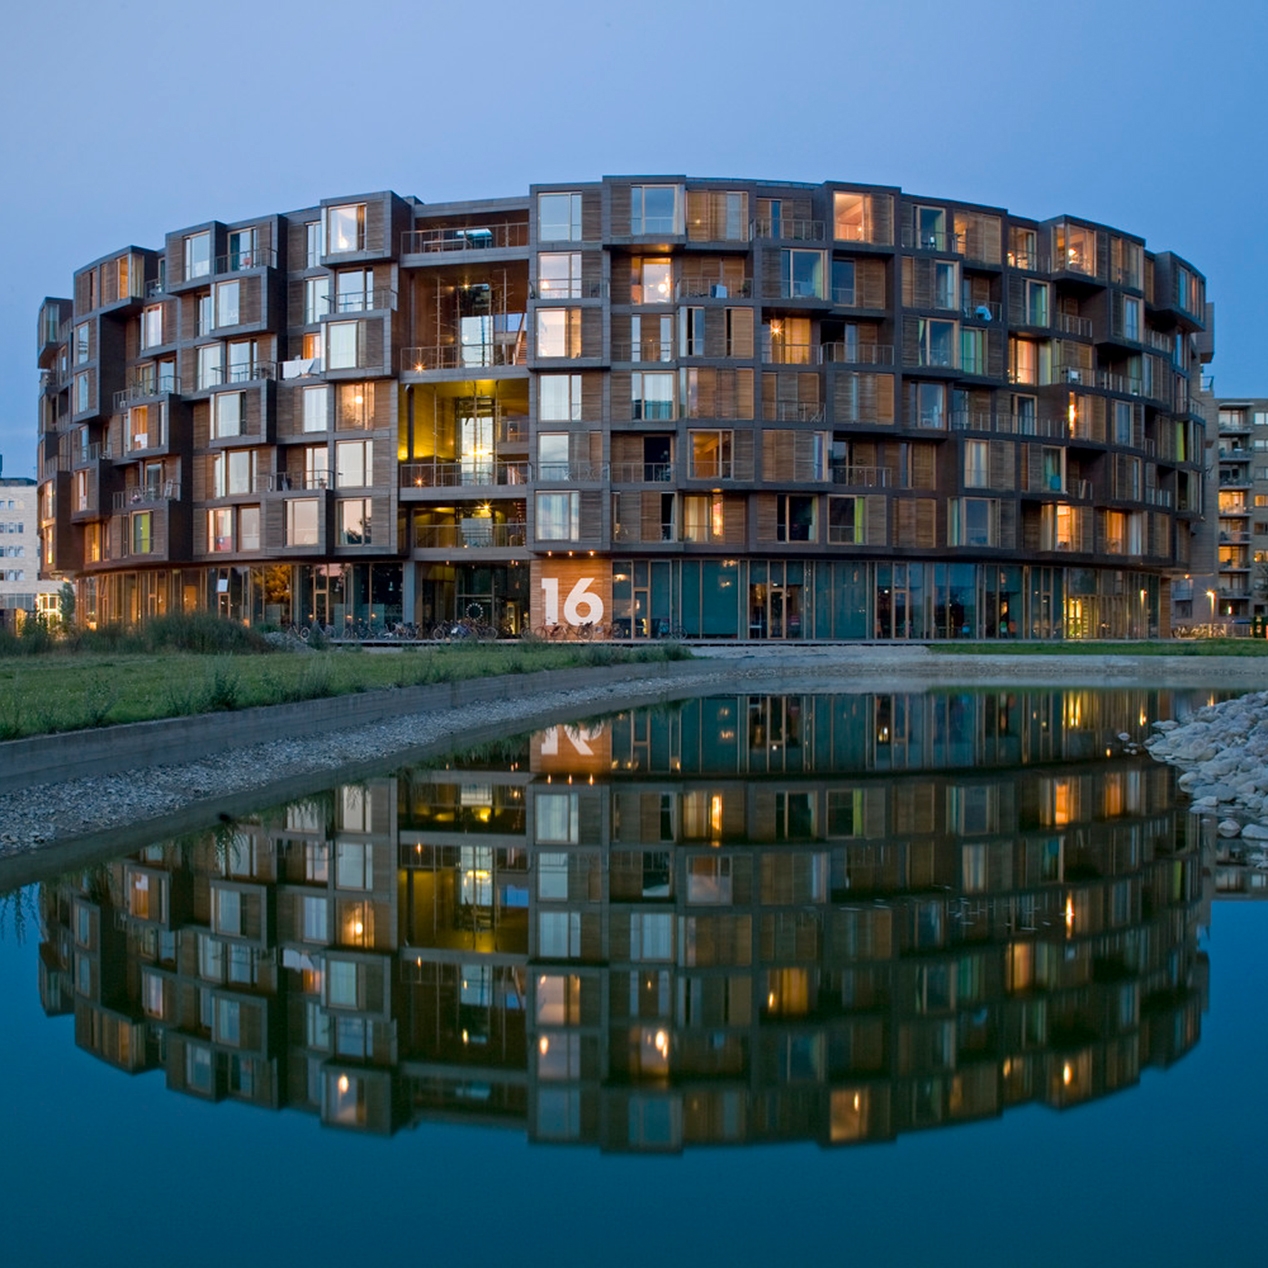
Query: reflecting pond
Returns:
{"type": "Point", "coordinates": [747, 919]}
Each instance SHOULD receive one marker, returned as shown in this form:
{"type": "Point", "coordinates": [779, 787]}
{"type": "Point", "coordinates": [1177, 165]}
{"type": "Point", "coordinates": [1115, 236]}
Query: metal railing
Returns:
{"type": "Point", "coordinates": [985, 310]}
{"type": "Point", "coordinates": [641, 472]}
{"type": "Point", "coordinates": [799, 412]}
{"type": "Point", "coordinates": [569, 288]}
{"type": "Point", "coordinates": [155, 287]}
{"type": "Point", "coordinates": [1031, 261]}
{"type": "Point", "coordinates": [1128, 385]}
{"type": "Point", "coordinates": [643, 350]}
{"type": "Point", "coordinates": [1072, 324]}
{"type": "Point", "coordinates": [789, 229]}
{"type": "Point", "coordinates": [453, 356]}
{"type": "Point", "coordinates": [146, 495]}
{"type": "Point", "coordinates": [856, 354]}
{"type": "Point", "coordinates": [465, 238]}
{"type": "Point", "coordinates": [301, 367]}
{"type": "Point", "coordinates": [936, 241]}
{"type": "Point", "coordinates": [570, 472]}
{"type": "Point", "coordinates": [380, 299]}
{"type": "Point", "coordinates": [240, 261]}
{"type": "Point", "coordinates": [859, 477]}
{"type": "Point", "coordinates": [791, 288]}
{"type": "Point", "coordinates": [300, 481]}
{"type": "Point", "coordinates": [713, 288]}
{"type": "Point", "coordinates": [87, 455]}
{"type": "Point", "coordinates": [484, 534]}
{"type": "Point", "coordinates": [455, 475]}
{"type": "Point", "coordinates": [168, 385]}
{"type": "Point", "coordinates": [248, 372]}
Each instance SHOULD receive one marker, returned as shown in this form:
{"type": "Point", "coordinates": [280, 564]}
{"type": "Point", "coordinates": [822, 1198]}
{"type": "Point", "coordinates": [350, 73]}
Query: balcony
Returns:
{"type": "Point", "coordinates": [856, 354]}
{"type": "Point", "coordinates": [147, 390]}
{"type": "Point", "coordinates": [987, 310]}
{"type": "Point", "coordinates": [296, 481]}
{"type": "Point", "coordinates": [569, 472]}
{"type": "Point", "coordinates": [641, 472]}
{"type": "Point", "coordinates": [471, 534]}
{"type": "Point", "coordinates": [576, 288]}
{"type": "Point", "coordinates": [460, 475]}
{"type": "Point", "coordinates": [90, 455]}
{"type": "Point", "coordinates": [785, 229]}
{"type": "Point", "coordinates": [644, 350]}
{"type": "Point", "coordinates": [713, 288]}
{"type": "Point", "coordinates": [301, 367]}
{"type": "Point", "coordinates": [476, 356]}
{"type": "Point", "coordinates": [1030, 261]}
{"type": "Point", "coordinates": [226, 375]}
{"type": "Point", "coordinates": [467, 238]}
{"type": "Point", "coordinates": [948, 242]}
{"type": "Point", "coordinates": [799, 412]}
{"type": "Point", "coordinates": [853, 477]}
{"type": "Point", "coordinates": [241, 261]}
{"type": "Point", "coordinates": [791, 288]}
{"type": "Point", "coordinates": [147, 495]}
{"type": "Point", "coordinates": [381, 299]}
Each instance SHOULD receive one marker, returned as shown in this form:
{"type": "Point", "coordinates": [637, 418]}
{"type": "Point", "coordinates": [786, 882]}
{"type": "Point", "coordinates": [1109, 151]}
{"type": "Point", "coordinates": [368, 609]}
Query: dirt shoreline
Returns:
{"type": "Point", "coordinates": [162, 799]}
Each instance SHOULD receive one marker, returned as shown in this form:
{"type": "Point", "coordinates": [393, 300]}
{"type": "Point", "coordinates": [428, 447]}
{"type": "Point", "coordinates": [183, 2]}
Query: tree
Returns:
{"type": "Point", "coordinates": [66, 604]}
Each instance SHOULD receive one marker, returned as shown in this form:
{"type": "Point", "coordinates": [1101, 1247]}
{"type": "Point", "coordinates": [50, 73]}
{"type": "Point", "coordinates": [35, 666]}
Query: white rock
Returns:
{"type": "Point", "coordinates": [1229, 828]}
{"type": "Point", "coordinates": [1255, 832]}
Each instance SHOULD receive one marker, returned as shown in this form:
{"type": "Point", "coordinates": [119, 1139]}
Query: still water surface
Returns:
{"type": "Point", "coordinates": [892, 978]}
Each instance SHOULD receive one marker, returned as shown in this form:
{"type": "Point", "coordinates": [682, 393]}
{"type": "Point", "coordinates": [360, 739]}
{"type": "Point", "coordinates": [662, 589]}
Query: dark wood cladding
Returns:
{"type": "Point", "coordinates": [819, 341]}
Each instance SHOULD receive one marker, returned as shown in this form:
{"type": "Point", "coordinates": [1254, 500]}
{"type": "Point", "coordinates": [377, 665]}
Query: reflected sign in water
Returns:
{"type": "Point", "coordinates": [743, 918]}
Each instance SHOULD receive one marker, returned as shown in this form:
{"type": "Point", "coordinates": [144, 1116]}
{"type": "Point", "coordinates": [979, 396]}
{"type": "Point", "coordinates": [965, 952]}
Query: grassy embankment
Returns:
{"type": "Point", "coordinates": [184, 665]}
{"type": "Point", "coordinates": [1161, 647]}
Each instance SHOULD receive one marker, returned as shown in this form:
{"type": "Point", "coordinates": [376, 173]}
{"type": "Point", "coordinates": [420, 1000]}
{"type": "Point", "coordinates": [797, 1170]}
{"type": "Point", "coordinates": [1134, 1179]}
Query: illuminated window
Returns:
{"type": "Point", "coordinates": [558, 517]}
{"type": "Point", "coordinates": [976, 464]}
{"type": "Point", "coordinates": [559, 332]}
{"type": "Point", "coordinates": [345, 228]}
{"type": "Point", "coordinates": [559, 275]}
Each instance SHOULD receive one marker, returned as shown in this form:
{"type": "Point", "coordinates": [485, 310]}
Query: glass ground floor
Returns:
{"type": "Point", "coordinates": [654, 598]}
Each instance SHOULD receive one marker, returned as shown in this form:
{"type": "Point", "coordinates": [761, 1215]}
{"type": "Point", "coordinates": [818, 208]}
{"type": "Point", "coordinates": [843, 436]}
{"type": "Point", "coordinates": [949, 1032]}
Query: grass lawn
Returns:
{"type": "Point", "coordinates": [70, 690]}
{"type": "Point", "coordinates": [1160, 647]}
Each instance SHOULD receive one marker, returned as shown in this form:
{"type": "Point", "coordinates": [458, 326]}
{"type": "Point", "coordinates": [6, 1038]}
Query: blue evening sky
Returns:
{"type": "Point", "coordinates": [120, 121]}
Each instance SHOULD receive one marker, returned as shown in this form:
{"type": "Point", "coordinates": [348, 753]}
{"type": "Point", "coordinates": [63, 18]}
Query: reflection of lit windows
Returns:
{"type": "Point", "coordinates": [559, 934]}
{"type": "Point", "coordinates": [559, 1057]}
{"type": "Point", "coordinates": [552, 877]}
{"type": "Point", "coordinates": [557, 817]}
{"type": "Point", "coordinates": [341, 984]}
{"type": "Point", "coordinates": [558, 1113]}
{"type": "Point", "coordinates": [345, 1099]}
{"type": "Point", "coordinates": [558, 1000]}
{"type": "Point", "coordinates": [709, 879]}
{"type": "Point", "coordinates": [651, 936]}
{"type": "Point", "coordinates": [354, 865]}
{"type": "Point", "coordinates": [476, 864]}
{"type": "Point", "coordinates": [314, 919]}
{"type": "Point", "coordinates": [558, 517]}
{"type": "Point", "coordinates": [152, 994]}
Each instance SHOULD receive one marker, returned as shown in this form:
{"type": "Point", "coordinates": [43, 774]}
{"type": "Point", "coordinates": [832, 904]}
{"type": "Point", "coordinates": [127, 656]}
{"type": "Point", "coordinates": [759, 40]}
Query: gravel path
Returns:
{"type": "Point", "coordinates": [60, 811]}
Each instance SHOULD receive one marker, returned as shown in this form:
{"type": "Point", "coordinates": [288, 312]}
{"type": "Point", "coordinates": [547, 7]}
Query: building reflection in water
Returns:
{"type": "Point", "coordinates": [738, 919]}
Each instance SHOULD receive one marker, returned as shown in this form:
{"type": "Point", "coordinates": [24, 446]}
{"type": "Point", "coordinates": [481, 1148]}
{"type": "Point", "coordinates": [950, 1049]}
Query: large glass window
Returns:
{"type": "Point", "coordinates": [316, 408]}
{"type": "Point", "coordinates": [234, 471]}
{"type": "Point", "coordinates": [220, 528]}
{"type": "Point", "coordinates": [354, 463]}
{"type": "Point", "coordinates": [559, 332]}
{"type": "Point", "coordinates": [210, 365]}
{"type": "Point", "coordinates": [655, 209]}
{"type": "Point", "coordinates": [931, 405]}
{"type": "Point", "coordinates": [301, 522]}
{"type": "Point", "coordinates": [345, 228]}
{"type": "Point", "coordinates": [559, 275]}
{"type": "Point", "coordinates": [937, 340]}
{"type": "Point", "coordinates": [142, 532]}
{"type": "Point", "coordinates": [354, 290]}
{"type": "Point", "coordinates": [151, 326]}
{"type": "Point", "coordinates": [703, 517]}
{"type": "Point", "coordinates": [558, 517]}
{"type": "Point", "coordinates": [552, 456]}
{"type": "Point", "coordinates": [931, 228]}
{"type": "Point", "coordinates": [244, 249]}
{"type": "Point", "coordinates": [559, 217]}
{"type": "Point", "coordinates": [802, 274]}
{"type": "Point", "coordinates": [314, 244]}
{"type": "Point", "coordinates": [242, 361]}
{"type": "Point", "coordinates": [227, 411]}
{"type": "Point", "coordinates": [342, 345]}
{"type": "Point", "coordinates": [1036, 303]}
{"type": "Point", "coordinates": [556, 818]}
{"type": "Point", "coordinates": [1131, 318]}
{"type": "Point", "coordinates": [560, 398]}
{"type": "Point", "coordinates": [976, 464]}
{"type": "Point", "coordinates": [946, 284]}
{"type": "Point", "coordinates": [846, 522]}
{"type": "Point", "coordinates": [652, 395]}
{"type": "Point", "coordinates": [353, 516]}
{"type": "Point", "coordinates": [973, 522]}
{"type": "Point", "coordinates": [248, 528]}
{"type": "Point", "coordinates": [653, 282]}
{"type": "Point", "coordinates": [316, 298]}
{"type": "Point", "coordinates": [197, 255]}
{"type": "Point", "coordinates": [711, 454]}
{"type": "Point", "coordinates": [1076, 249]}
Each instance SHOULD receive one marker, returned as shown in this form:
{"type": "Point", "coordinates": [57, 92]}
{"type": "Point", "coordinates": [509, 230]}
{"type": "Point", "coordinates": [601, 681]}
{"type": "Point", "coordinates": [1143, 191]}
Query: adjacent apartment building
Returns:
{"type": "Point", "coordinates": [734, 409]}
{"type": "Point", "coordinates": [21, 590]}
